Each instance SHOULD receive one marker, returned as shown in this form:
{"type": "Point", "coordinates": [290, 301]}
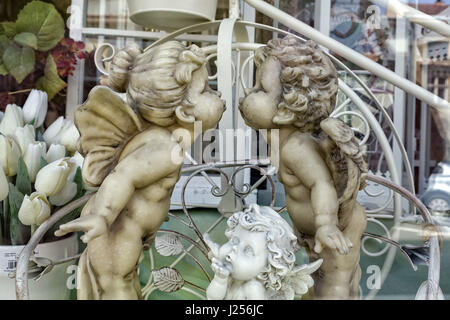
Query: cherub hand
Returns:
{"type": "Point", "coordinates": [214, 247]}
{"type": "Point", "coordinates": [330, 236]}
{"type": "Point", "coordinates": [93, 226]}
{"type": "Point", "coordinates": [220, 269]}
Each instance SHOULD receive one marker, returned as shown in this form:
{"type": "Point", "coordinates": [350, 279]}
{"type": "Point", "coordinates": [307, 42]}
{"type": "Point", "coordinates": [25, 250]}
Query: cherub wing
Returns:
{"type": "Point", "coordinates": [106, 123]}
{"type": "Point", "coordinates": [297, 281]}
{"type": "Point", "coordinates": [345, 158]}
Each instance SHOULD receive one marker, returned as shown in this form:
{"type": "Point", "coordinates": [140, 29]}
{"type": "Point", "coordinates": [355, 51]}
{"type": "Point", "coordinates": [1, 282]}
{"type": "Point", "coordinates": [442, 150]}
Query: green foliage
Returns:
{"type": "Point", "coordinates": [23, 182]}
{"type": "Point", "coordinates": [44, 21]}
{"type": "Point", "coordinates": [26, 39]}
{"type": "Point", "coordinates": [50, 82]}
{"type": "Point", "coordinates": [18, 232]}
{"type": "Point", "coordinates": [39, 26]}
{"type": "Point", "coordinates": [19, 61]}
{"type": "Point", "coordinates": [43, 163]}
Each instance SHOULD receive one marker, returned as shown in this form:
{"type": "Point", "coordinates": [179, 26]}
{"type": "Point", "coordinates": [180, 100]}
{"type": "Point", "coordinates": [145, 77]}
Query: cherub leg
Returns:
{"type": "Point", "coordinates": [339, 274]}
{"type": "Point", "coordinates": [114, 259]}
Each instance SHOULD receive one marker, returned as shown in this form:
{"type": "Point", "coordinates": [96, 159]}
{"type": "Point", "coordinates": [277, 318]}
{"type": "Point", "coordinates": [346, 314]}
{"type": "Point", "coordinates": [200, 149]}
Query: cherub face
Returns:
{"type": "Point", "coordinates": [208, 107]}
{"type": "Point", "coordinates": [246, 252]}
{"type": "Point", "coordinates": [259, 107]}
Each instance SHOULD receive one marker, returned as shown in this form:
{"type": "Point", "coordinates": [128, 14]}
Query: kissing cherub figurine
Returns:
{"type": "Point", "coordinates": [321, 163]}
{"type": "Point", "coordinates": [135, 158]}
{"type": "Point", "coordinates": [258, 261]}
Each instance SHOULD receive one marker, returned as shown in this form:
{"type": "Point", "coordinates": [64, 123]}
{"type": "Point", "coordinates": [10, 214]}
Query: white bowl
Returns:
{"type": "Point", "coordinates": [171, 15]}
{"type": "Point", "coordinates": [54, 285]}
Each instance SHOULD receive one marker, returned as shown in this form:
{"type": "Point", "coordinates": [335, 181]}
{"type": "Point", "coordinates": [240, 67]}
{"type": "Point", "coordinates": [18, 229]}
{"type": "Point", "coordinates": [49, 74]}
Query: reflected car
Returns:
{"type": "Point", "coordinates": [437, 195]}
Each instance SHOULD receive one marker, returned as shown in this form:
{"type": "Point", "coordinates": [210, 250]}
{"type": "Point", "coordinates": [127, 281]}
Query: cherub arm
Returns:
{"type": "Point", "coordinates": [217, 289]}
{"type": "Point", "coordinates": [313, 173]}
{"type": "Point", "coordinates": [142, 167]}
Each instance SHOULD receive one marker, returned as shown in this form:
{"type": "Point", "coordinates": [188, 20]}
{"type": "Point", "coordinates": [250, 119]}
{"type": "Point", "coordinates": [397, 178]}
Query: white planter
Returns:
{"type": "Point", "coordinates": [171, 15]}
{"type": "Point", "coordinates": [53, 285]}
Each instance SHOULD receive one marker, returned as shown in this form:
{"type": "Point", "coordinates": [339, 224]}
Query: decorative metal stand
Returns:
{"type": "Point", "coordinates": [233, 189]}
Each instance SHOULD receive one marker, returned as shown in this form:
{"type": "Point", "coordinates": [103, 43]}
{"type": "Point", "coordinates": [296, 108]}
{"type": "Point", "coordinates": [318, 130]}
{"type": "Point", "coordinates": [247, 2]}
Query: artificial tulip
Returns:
{"type": "Point", "coordinates": [4, 189]}
{"type": "Point", "coordinates": [52, 178]}
{"type": "Point", "coordinates": [55, 152]}
{"type": "Point", "coordinates": [67, 193]}
{"type": "Point", "coordinates": [32, 158]}
{"type": "Point", "coordinates": [9, 155]}
{"type": "Point", "coordinates": [35, 209]}
{"type": "Point", "coordinates": [35, 108]}
{"type": "Point", "coordinates": [24, 136]}
{"type": "Point", "coordinates": [12, 119]}
{"type": "Point", "coordinates": [63, 132]}
{"type": "Point", "coordinates": [69, 136]}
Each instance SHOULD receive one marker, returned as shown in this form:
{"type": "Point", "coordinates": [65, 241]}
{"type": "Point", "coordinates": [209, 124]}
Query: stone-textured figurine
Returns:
{"type": "Point", "coordinates": [133, 152]}
{"type": "Point", "coordinates": [258, 261]}
{"type": "Point", "coordinates": [321, 163]}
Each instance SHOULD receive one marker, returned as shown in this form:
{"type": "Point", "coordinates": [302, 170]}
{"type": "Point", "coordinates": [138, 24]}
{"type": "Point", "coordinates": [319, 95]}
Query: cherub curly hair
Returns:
{"type": "Point", "coordinates": [308, 78]}
{"type": "Point", "coordinates": [155, 80]}
{"type": "Point", "coordinates": [281, 241]}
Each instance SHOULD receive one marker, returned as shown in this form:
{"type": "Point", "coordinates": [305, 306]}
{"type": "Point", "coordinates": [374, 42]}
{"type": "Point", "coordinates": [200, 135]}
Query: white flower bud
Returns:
{"type": "Point", "coordinates": [32, 158]}
{"type": "Point", "coordinates": [9, 155]}
{"type": "Point", "coordinates": [67, 193]}
{"type": "Point", "coordinates": [55, 152]}
{"type": "Point", "coordinates": [24, 136]}
{"type": "Point", "coordinates": [12, 119]}
{"type": "Point", "coordinates": [35, 209]}
{"type": "Point", "coordinates": [4, 188]}
{"type": "Point", "coordinates": [35, 108]}
{"type": "Point", "coordinates": [52, 178]}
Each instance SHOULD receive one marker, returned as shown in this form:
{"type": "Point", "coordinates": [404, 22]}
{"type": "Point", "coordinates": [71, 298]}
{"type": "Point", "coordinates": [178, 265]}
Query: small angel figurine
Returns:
{"type": "Point", "coordinates": [321, 163]}
{"type": "Point", "coordinates": [133, 152]}
{"type": "Point", "coordinates": [258, 261]}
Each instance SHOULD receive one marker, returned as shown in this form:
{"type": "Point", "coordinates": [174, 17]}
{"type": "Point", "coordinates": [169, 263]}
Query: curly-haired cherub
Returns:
{"type": "Point", "coordinates": [135, 158]}
{"type": "Point", "coordinates": [258, 261]}
{"type": "Point", "coordinates": [321, 163]}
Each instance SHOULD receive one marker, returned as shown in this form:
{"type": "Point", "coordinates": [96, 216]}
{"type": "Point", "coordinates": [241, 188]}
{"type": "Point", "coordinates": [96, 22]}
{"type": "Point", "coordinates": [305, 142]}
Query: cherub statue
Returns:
{"type": "Point", "coordinates": [258, 261]}
{"type": "Point", "coordinates": [135, 158]}
{"type": "Point", "coordinates": [321, 163]}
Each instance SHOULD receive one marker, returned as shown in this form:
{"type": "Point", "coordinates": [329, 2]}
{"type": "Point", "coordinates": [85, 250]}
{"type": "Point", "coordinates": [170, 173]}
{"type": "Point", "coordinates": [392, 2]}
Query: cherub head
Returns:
{"type": "Point", "coordinates": [261, 245]}
{"type": "Point", "coordinates": [167, 84]}
{"type": "Point", "coordinates": [296, 84]}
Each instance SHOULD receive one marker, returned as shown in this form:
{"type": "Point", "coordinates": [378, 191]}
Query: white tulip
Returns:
{"type": "Point", "coordinates": [35, 108]}
{"type": "Point", "coordinates": [4, 187]}
{"type": "Point", "coordinates": [51, 135]}
{"type": "Point", "coordinates": [1, 115]}
{"type": "Point", "coordinates": [69, 136]}
{"type": "Point", "coordinates": [9, 155]}
{"type": "Point", "coordinates": [32, 158]}
{"type": "Point", "coordinates": [63, 132]}
{"type": "Point", "coordinates": [52, 178]}
{"type": "Point", "coordinates": [65, 195]}
{"type": "Point", "coordinates": [35, 209]}
{"type": "Point", "coordinates": [24, 136]}
{"type": "Point", "coordinates": [55, 152]}
{"type": "Point", "coordinates": [78, 159]}
{"type": "Point", "coordinates": [12, 119]}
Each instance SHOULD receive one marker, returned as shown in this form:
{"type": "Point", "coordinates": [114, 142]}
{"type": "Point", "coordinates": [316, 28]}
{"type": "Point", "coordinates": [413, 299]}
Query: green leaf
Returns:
{"type": "Point", "coordinates": [26, 39]}
{"type": "Point", "coordinates": [5, 222]}
{"type": "Point", "coordinates": [23, 182]}
{"type": "Point", "coordinates": [43, 20]}
{"type": "Point", "coordinates": [9, 29]}
{"type": "Point", "coordinates": [19, 61]}
{"type": "Point", "coordinates": [18, 232]}
{"type": "Point", "coordinates": [4, 44]}
{"type": "Point", "coordinates": [78, 179]}
{"type": "Point", "coordinates": [3, 70]}
{"type": "Point", "coordinates": [43, 163]}
{"type": "Point", "coordinates": [50, 82]}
